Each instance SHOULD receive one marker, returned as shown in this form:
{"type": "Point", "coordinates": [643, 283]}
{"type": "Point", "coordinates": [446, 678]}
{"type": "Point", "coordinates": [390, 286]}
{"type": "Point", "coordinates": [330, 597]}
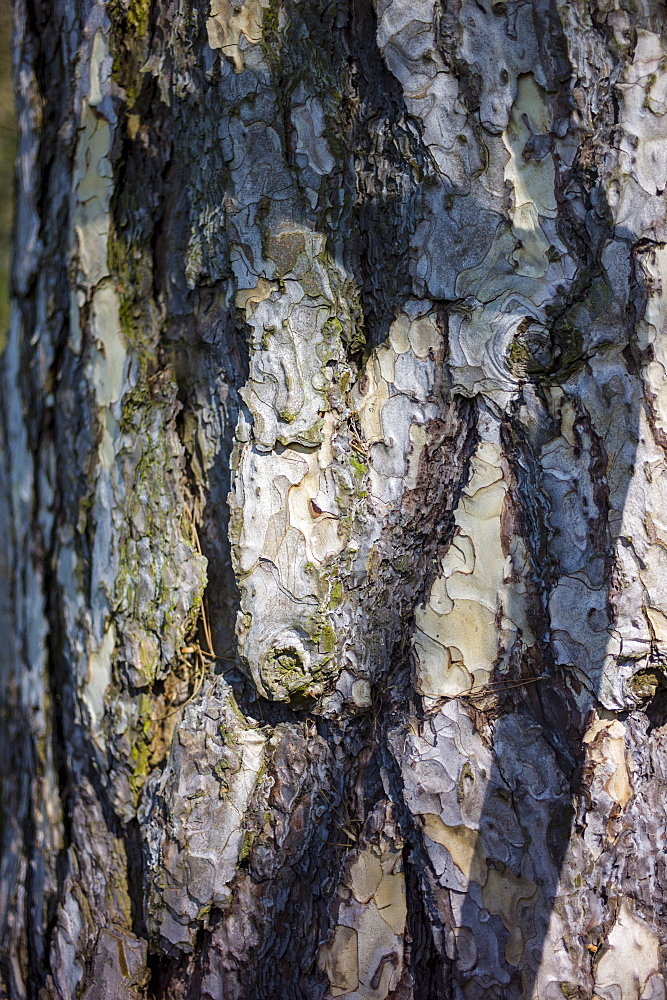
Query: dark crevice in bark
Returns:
{"type": "Point", "coordinates": [205, 344]}
{"type": "Point", "coordinates": [44, 54]}
{"type": "Point", "coordinates": [549, 701]}
{"type": "Point", "coordinates": [526, 514]}
{"type": "Point", "coordinates": [296, 898]}
{"type": "Point", "coordinates": [141, 165]}
{"type": "Point", "coordinates": [444, 471]}
{"type": "Point", "coordinates": [656, 710]}
{"type": "Point", "coordinates": [390, 161]}
{"type": "Point", "coordinates": [133, 28]}
{"type": "Point", "coordinates": [177, 977]}
{"type": "Point", "coordinates": [420, 534]}
{"type": "Point", "coordinates": [134, 851]}
{"type": "Point", "coordinates": [553, 46]}
{"type": "Point", "coordinates": [370, 208]}
{"type": "Point", "coordinates": [430, 969]}
{"type": "Point", "coordinates": [427, 960]}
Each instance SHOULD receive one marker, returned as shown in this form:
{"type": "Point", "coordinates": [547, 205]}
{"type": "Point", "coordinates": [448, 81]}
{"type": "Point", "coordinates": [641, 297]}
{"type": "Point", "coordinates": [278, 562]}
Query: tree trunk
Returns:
{"type": "Point", "coordinates": [334, 502]}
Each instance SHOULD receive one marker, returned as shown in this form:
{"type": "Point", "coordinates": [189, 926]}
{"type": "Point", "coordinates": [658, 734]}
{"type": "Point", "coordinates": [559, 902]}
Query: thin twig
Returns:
{"type": "Point", "coordinates": [195, 647]}
{"type": "Point", "coordinates": [342, 819]}
{"type": "Point", "coordinates": [199, 680]}
{"type": "Point", "coordinates": [480, 690]}
{"type": "Point", "coordinates": [215, 656]}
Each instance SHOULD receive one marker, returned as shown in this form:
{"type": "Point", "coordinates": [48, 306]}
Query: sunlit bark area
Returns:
{"type": "Point", "coordinates": [333, 519]}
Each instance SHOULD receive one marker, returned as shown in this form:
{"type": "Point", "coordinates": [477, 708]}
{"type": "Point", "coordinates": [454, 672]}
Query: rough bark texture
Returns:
{"type": "Point", "coordinates": [334, 502]}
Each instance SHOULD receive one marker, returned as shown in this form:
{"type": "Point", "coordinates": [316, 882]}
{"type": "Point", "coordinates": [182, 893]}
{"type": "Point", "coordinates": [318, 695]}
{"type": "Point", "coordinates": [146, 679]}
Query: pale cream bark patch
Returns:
{"type": "Point", "coordinates": [363, 959]}
{"type": "Point", "coordinates": [93, 174]}
{"type": "Point", "coordinates": [630, 960]}
{"type": "Point", "coordinates": [605, 741]}
{"type": "Point", "coordinates": [99, 677]}
{"type": "Point", "coordinates": [109, 358]}
{"type": "Point", "coordinates": [234, 26]}
{"type": "Point", "coordinates": [636, 190]}
{"type": "Point", "coordinates": [457, 639]}
{"type": "Point", "coordinates": [532, 177]}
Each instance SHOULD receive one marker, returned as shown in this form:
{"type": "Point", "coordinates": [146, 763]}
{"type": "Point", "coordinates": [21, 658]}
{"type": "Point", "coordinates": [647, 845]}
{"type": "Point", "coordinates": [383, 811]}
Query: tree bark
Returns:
{"type": "Point", "coordinates": [334, 502]}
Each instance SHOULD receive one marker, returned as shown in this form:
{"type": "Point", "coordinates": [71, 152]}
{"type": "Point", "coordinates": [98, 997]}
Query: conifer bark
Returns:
{"type": "Point", "coordinates": [334, 502]}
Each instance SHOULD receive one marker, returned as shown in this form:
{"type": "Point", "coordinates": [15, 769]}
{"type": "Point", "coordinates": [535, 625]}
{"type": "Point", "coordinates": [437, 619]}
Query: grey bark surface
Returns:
{"type": "Point", "coordinates": [333, 519]}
